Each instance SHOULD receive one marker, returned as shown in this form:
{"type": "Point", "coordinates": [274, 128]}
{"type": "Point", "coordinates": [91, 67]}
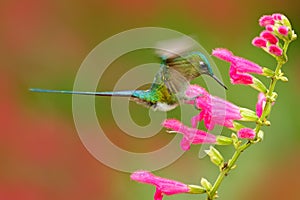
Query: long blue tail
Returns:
{"type": "Point", "coordinates": [126, 93]}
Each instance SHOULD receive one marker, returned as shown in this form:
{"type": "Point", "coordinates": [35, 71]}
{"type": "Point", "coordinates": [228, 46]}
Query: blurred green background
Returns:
{"type": "Point", "coordinates": [42, 44]}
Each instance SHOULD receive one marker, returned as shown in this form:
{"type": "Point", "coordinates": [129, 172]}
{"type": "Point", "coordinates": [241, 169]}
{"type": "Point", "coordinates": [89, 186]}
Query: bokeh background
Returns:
{"type": "Point", "coordinates": [42, 44]}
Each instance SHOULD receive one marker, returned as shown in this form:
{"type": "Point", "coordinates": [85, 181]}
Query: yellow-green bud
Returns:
{"type": "Point", "coordinates": [222, 140]}
{"type": "Point", "coordinates": [248, 115]}
{"type": "Point", "coordinates": [206, 184]}
{"type": "Point", "coordinates": [268, 72]}
{"type": "Point", "coordinates": [215, 156]}
{"type": "Point", "coordinates": [258, 85]}
{"type": "Point", "coordinates": [196, 189]}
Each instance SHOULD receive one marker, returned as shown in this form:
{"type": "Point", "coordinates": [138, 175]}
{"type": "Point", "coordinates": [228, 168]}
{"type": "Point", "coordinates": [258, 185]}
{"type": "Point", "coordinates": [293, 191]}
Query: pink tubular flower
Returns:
{"type": "Point", "coordinates": [259, 42]}
{"type": "Point", "coordinates": [246, 133]}
{"type": "Point", "coordinates": [260, 103]}
{"type": "Point", "coordinates": [163, 186]}
{"type": "Point", "coordinates": [239, 68]}
{"type": "Point", "coordinates": [266, 20]}
{"type": "Point", "coordinates": [239, 78]}
{"type": "Point", "coordinates": [267, 35]}
{"type": "Point", "coordinates": [276, 50]}
{"type": "Point", "coordinates": [214, 110]}
{"type": "Point", "coordinates": [283, 30]}
{"type": "Point", "coordinates": [190, 135]}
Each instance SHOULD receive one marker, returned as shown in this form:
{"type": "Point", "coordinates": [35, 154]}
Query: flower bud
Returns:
{"type": "Point", "coordinates": [283, 30]}
{"type": "Point", "coordinates": [260, 135]}
{"type": "Point", "coordinates": [285, 21]}
{"type": "Point", "coordinates": [234, 137]}
{"type": "Point", "coordinates": [266, 20]}
{"type": "Point", "coordinates": [258, 85]}
{"type": "Point", "coordinates": [270, 37]}
{"type": "Point", "coordinates": [196, 189]}
{"type": "Point", "coordinates": [267, 123]}
{"type": "Point", "coordinates": [222, 140]}
{"type": "Point", "coordinates": [237, 126]}
{"type": "Point", "coordinates": [270, 28]}
{"type": "Point", "coordinates": [206, 184]}
{"type": "Point", "coordinates": [267, 109]}
{"type": "Point", "coordinates": [215, 156]}
{"type": "Point", "coordinates": [283, 78]}
{"type": "Point", "coordinates": [236, 141]}
{"type": "Point", "coordinates": [246, 133]}
{"type": "Point", "coordinates": [248, 115]}
{"type": "Point", "coordinates": [275, 50]}
{"type": "Point", "coordinates": [268, 72]}
{"type": "Point", "coordinates": [294, 36]}
{"type": "Point", "coordinates": [259, 42]}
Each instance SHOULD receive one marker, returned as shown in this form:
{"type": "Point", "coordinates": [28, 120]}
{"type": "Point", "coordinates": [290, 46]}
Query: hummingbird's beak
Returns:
{"type": "Point", "coordinates": [220, 82]}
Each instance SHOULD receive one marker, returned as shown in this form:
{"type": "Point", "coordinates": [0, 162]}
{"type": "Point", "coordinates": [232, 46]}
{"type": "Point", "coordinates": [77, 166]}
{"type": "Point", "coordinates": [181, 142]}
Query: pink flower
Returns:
{"type": "Point", "coordinates": [266, 20]}
{"type": "Point", "coordinates": [194, 91]}
{"type": "Point", "coordinates": [246, 133]}
{"type": "Point", "coordinates": [214, 110]}
{"type": "Point", "coordinates": [163, 186]}
{"type": "Point", "coordinates": [277, 16]}
{"type": "Point", "coordinates": [239, 78]}
{"type": "Point", "coordinates": [267, 35]}
{"type": "Point", "coordinates": [283, 30]}
{"type": "Point", "coordinates": [276, 50]}
{"type": "Point", "coordinates": [259, 42]}
{"type": "Point", "coordinates": [190, 135]}
{"type": "Point", "coordinates": [239, 68]}
{"type": "Point", "coordinates": [270, 28]}
{"type": "Point", "coordinates": [260, 104]}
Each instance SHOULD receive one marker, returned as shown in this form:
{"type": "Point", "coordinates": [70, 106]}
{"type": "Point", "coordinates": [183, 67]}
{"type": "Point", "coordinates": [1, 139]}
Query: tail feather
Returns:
{"type": "Point", "coordinates": [126, 93]}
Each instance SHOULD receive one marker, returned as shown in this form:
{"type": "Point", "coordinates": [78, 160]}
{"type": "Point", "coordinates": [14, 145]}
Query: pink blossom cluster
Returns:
{"type": "Point", "coordinates": [276, 26]}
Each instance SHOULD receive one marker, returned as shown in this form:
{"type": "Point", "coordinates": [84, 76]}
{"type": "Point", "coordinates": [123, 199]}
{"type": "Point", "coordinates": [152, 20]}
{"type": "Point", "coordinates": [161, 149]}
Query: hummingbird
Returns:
{"type": "Point", "coordinates": [170, 82]}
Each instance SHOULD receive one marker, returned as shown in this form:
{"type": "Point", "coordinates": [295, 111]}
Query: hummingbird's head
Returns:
{"type": "Point", "coordinates": [205, 68]}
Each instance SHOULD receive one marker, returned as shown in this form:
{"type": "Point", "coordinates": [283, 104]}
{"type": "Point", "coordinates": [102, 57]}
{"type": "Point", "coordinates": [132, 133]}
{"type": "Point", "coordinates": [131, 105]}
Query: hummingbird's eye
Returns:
{"type": "Point", "coordinates": [203, 64]}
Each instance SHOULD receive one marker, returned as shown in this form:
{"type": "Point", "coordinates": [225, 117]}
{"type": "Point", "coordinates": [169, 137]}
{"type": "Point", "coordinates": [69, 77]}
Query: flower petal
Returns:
{"type": "Point", "coordinates": [283, 30]}
{"type": "Point", "coordinates": [259, 42]}
{"type": "Point", "coordinates": [266, 20]}
{"type": "Point", "coordinates": [223, 54]}
{"type": "Point", "coordinates": [276, 50]}
{"type": "Point", "coordinates": [260, 104]}
{"type": "Point", "coordinates": [190, 135]}
{"type": "Point", "coordinates": [163, 185]}
{"type": "Point", "coordinates": [246, 133]}
{"type": "Point", "coordinates": [267, 35]}
{"type": "Point", "coordinates": [239, 78]}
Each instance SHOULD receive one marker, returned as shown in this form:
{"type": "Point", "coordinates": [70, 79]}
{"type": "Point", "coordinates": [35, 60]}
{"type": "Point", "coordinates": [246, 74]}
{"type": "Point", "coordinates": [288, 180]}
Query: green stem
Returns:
{"type": "Point", "coordinates": [211, 195]}
{"type": "Point", "coordinates": [225, 171]}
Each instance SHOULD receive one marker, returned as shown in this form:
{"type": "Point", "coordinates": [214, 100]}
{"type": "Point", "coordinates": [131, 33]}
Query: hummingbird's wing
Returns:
{"type": "Point", "coordinates": [174, 47]}
{"type": "Point", "coordinates": [186, 65]}
{"type": "Point", "coordinates": [173, 80]}
{"type": "Point", "coordinates": [179, 54]}
{"type": "Point", "coordinates": [176, 83]}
